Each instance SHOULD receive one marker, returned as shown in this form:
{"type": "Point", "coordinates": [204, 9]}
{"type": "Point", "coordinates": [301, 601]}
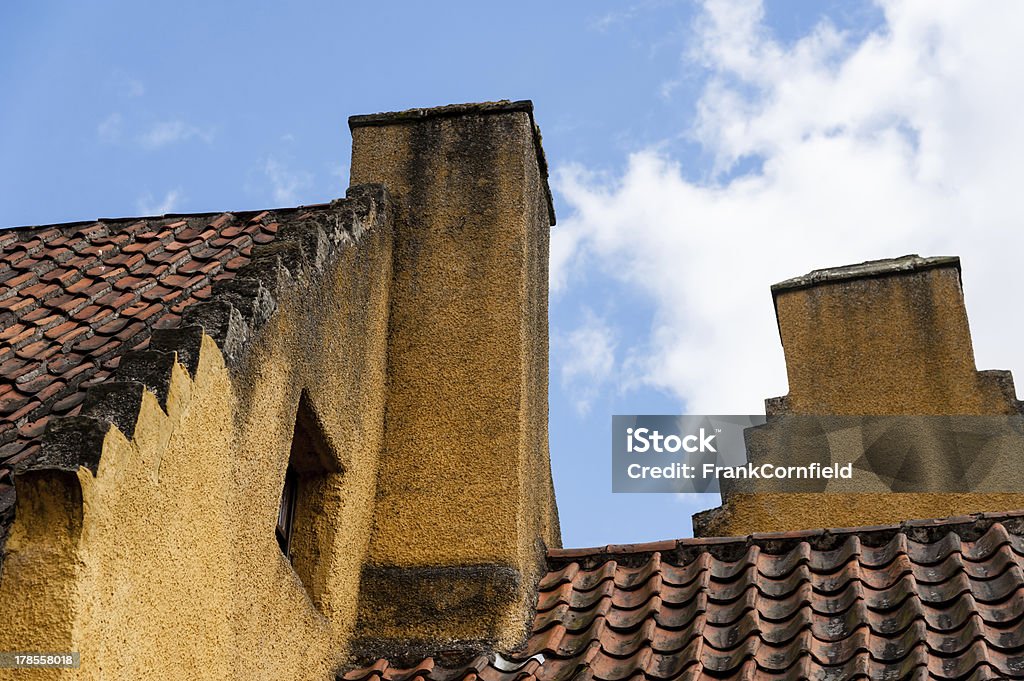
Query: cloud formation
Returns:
{"type": "Point", "coordinates": [589, 359]}
{"type": "Point", "coordinates": [148, 205]}
{"type": "Point", "coordinates": [109, 129]}
{"type": "Point", "coordinates": [829, 150]}
{"type": "Point", "coordinates": [170, 132]}
{"type": "Point", "coordinates": [286, 184]}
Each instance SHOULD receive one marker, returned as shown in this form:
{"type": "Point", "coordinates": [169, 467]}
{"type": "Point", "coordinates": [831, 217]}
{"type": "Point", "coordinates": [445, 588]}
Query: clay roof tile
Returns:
{"type": "Point", "coordinates": [95, 290]}
{"type": "Point", "coordinates": [887, 602]}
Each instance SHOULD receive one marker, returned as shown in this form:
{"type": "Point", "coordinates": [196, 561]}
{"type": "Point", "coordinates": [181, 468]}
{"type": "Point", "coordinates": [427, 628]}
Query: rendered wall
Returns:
{"type": "Point", "coordinates": [895, 343]}
{"type": "Point", "coordinates": [168, 567]}
{"type": "Point", "coordinates": [882, 338]}
{"type": "Point", "coordinates": [414, 325]}
{"type": "Point", "coordinates": [465, 496]}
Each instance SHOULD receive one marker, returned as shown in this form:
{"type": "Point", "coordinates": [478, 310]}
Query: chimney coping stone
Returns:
{"type": "Point", "coordinates": [866, 270]}
{"type": "Point", "coordinates": [503, 106]}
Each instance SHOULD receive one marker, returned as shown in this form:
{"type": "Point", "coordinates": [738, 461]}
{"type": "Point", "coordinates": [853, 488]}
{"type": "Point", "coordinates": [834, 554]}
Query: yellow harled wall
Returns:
{"type": "Point", "coordinates": [423, 356]}
{"type": "Point", "coordinates": [169, 568]}
{"type": "Point", "coordinates": [887, 337]}
{"type": "Point", "coordinates": [465, 500]}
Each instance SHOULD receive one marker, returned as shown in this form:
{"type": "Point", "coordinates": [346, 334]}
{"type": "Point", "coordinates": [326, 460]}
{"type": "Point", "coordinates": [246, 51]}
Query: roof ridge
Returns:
{"type": "Point", "coordinates": [168, 216]}
{"type": "Point", "coordinates": [967, 527]}
{"type": "Point", "coordinates": [233, 315]}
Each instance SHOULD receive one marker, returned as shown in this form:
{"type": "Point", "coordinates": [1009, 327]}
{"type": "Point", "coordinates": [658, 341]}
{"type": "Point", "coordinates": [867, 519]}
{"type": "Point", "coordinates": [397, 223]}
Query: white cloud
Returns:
{"type": "Point", "coordinates": [109, 129]}
{"type": "Point", "coordinates": [170, 132]}
{"type": "Point", "coordinates": [147, 205]}
{"type": "Point", "coordinates": [286, 184]}
{"type": "Point", "coordinates": [907, 140]}
{"type": "Point", "coordinates": [133, 88]}
{"type": "Point", "coordinates": [623, 14]}
{"type": "Point", "coordinates": [588, 359]}
{"type": "Point", "coordinates": [125, 86]}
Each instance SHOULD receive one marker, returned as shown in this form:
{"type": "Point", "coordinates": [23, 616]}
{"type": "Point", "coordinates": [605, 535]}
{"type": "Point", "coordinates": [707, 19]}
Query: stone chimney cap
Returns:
{"type": "Point", "coordinates": [866, 270]}
{"type": "Point", "coordinates": [503, 106]}
{"type": "Point", "coordinates": [413, 115]}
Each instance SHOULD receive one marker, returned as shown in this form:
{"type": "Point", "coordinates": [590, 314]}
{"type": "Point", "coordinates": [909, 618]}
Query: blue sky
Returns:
{"type": "Point", "coordinates": [700, 152]}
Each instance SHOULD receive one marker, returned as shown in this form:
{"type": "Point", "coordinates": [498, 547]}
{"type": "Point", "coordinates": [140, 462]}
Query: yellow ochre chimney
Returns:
{"type": "Point", "coordinates": [877, 339]}
{"type": "Point", "coordinates": [465, 503]}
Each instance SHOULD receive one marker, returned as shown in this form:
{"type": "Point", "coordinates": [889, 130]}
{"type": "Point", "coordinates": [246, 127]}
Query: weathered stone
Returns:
{"type": "Point", "coordinates": [185, 341]}
{"type": "Point", "coordinates": [116, 402]}
{"type": "Point", "coordinates": [887, 338]}
{"type": "Point", "coordinates": [465, 471]}
{"type": "Point", "coordinates": [403, 608]}
{"type": "Point", "coordinates": [223, 323]}
{"type": "Point", "coordinates": [151, 368]}
{"type": "Point", "coordinates": [71, 442]}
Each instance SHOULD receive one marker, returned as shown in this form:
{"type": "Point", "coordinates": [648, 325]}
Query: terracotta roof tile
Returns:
{"type": "Point", "coordinates": [74, 298]}
{"type": "Point", "coordinates": [935, 600]}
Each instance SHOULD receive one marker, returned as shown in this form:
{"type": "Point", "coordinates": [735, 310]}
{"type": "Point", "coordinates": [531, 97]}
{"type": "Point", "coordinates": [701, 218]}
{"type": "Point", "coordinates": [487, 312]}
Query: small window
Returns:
{"type": "Point", "coordinates": [306, 515]}
{"type": "Point", "coordinates": [286, 512]}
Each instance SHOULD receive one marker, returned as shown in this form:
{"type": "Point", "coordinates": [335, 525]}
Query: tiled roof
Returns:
{"type": "Point", "coordinates": [74, 298]}
{"type": "Point", "coordinates": [922, 600]}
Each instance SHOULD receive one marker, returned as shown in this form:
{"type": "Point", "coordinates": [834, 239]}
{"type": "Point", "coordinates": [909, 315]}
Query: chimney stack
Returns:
{"type": "Point", "coordinates": [884, 337]}
{"type": "Point", "coordinates": [878, 339]}
{"type": "Point", "coordinates": [465, 504]}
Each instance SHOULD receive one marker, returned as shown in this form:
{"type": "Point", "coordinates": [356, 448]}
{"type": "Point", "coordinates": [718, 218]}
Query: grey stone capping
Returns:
{"type": "Point", "coordinates": [151, 368]}
{"type": "Point", "coordinates": [221, 322]}
{"type": "Point", "coordinates": [475, 109]}
{"type": "Point", "coordinates": [70, 442]}
{"type": "Point", "coordinates": [866, 270]}
{"type": "Point", "coordinates": [185, 341]}
{"type": "Point", "coordinates": [233, 316]}
{"type": "Point", "coordinates": [115, 401]}
{"type": "Point", "coordinates": [428, 594]}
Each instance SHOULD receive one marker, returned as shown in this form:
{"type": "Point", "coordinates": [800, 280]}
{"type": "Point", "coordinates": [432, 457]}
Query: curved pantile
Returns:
{"type": "Point", "coordinates": [922, 600]}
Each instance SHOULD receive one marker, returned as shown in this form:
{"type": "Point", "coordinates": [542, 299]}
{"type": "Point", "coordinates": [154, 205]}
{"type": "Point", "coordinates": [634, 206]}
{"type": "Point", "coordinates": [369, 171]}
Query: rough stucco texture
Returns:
{"type": "Point", "coordinates": [465, 476]}
{"type": "Point", "coordinates": [888, 345]}
{"type": "Point", "coordinates": [898, 344]}
{"type": "Point", "coordinates": [419, 358]}
{"type": "Point", "coordinates": [170, 567]}
{"type": "Point", "coordinates": [745, 514]}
